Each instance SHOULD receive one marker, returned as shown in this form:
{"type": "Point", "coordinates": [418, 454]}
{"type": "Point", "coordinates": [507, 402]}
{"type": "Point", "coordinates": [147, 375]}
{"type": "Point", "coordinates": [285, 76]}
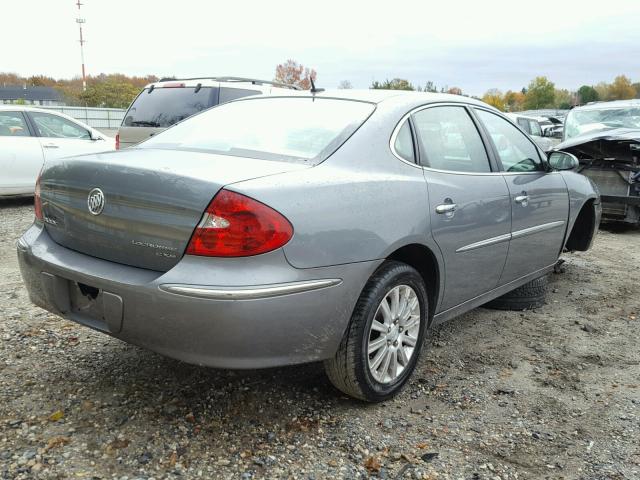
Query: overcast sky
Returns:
{"type": "Point", "coordinates": [475, 45]}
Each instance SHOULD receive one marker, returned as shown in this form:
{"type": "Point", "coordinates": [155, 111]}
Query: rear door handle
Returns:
{"type": "Point", "coordinates": [446, 208]}
{"type": "Point", "coordinates": [522, 199]}
{"type": "Point", "coordinates": [51, 145]}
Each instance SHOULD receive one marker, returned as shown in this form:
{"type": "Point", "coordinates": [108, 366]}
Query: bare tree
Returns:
{"type": "Point", "coordinates": [293, 73]}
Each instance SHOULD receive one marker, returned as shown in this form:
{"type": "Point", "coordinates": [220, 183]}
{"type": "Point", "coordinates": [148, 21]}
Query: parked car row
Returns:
{"type": "Point", "coordinates": [605, 136]}
{"type": "Point", "coordinates": [306, 226]}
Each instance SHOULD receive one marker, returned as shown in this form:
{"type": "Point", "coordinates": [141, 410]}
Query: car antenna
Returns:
{"type": "Point", "coordinates": [313, 87]}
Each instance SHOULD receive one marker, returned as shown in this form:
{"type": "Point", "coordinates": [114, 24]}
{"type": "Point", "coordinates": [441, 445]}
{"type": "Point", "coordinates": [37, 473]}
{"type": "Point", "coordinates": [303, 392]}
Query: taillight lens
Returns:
{"type": "Point", "coordinates": [37, 201]}
{"type": "Point", "coordinates": [235, 225]}
{"type": "Point", "coordinates": [117, 141]}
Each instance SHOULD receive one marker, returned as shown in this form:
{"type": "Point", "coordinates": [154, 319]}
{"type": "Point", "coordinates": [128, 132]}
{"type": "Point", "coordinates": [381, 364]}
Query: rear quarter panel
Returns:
{"type": "Point", "coordinates": [361, 204]}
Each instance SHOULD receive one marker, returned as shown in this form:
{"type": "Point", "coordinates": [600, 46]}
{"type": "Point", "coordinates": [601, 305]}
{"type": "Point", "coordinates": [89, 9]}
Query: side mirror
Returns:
{"type": "Point", "coordinates": [562, 161]}
{"type": "Point", "coordinates": [94, 137]}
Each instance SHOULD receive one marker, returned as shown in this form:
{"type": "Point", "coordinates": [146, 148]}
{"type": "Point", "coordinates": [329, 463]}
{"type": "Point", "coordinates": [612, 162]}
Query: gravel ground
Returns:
{"type": "Point", "coordinates": [549, 393]}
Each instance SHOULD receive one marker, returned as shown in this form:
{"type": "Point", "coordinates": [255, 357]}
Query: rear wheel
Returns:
{"type": "Point", "coordinates": [528, 296]}
{"type": "Point", "coordinates": [381, 346]}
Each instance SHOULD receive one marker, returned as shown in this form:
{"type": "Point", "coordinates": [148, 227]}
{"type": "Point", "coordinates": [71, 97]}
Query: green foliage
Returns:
{"type": "Point", "coordinates": [587, 94]}
{"type": "Point", "coordinates": [109, 93]}
{"type": "Point", "coordinates": [395, 84]}
{"type": "Point", "coordinates": [563, 99]}
{"type": "Point", "coordinates": [540, 94]}
{"type": "Point", "coordinates": [621, 89]}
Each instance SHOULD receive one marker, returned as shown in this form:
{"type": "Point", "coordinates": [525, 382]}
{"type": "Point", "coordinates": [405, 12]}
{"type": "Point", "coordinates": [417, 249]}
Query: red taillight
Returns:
{"type": "Point", "coordinates": [117, 141]}
{"type": "Point", "coordinates": [234, 225]}
{"type": "Point", "coordinates": [37, 201]}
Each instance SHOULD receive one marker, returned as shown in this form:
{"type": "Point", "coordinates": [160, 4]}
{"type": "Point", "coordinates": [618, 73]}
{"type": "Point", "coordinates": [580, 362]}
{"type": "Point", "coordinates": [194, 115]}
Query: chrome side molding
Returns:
{"type": "Point", "coordinates": [509, 236]}
{"type": "Point", "coordinates": [250, 292]}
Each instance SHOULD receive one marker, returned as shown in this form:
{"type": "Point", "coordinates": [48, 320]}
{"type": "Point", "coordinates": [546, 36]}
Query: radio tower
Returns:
{"type": "Point", "coordinates": [80, 21]}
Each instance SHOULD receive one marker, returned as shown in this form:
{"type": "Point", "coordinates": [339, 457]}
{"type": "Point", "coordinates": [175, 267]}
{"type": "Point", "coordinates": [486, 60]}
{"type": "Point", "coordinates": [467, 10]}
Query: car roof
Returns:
{"type": "Point", "coordinates": [15, 107]}
{"type": "Point", "coordinates": [614, 104]}
{"type": "Point", "coordinates": [396, 97]}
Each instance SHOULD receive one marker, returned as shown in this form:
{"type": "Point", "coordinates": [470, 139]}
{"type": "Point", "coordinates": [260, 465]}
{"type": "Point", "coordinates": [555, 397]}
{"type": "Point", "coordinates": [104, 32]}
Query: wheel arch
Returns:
{"type": "Point", "coordinates": [423, 259]}
{"type": "Point", "coordinates": [584, 228]}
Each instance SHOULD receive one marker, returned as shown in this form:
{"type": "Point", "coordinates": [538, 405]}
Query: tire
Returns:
{"type": "Point", "coordinates": [350, 370]}
{"type": "Point", "coordinates": [528, 296]}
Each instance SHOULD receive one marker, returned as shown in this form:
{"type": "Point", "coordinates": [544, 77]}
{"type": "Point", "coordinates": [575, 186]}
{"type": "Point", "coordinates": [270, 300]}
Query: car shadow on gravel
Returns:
{"type": "Point", "coordinates": [8, 202]}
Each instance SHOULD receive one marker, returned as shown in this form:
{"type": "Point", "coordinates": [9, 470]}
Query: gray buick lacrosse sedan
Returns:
{"type": "Point", "coordinates": [335, 226]}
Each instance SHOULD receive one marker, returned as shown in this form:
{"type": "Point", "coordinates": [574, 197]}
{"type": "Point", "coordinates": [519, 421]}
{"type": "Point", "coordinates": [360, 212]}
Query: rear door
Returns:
{"type": "Point", "coordinates": [61, 137]}
{"type": "Point", "coordinates": [156, 109]}
{"type": "Point", "coordinates": [468, 201]}
{"type": "Point", "coordinates": [20, 155]}
{"type": "Point", "coordinates": [539, 199]}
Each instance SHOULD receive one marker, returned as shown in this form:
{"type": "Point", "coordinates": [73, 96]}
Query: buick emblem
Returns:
{"type": "Point", "coordinates": [95, 201]}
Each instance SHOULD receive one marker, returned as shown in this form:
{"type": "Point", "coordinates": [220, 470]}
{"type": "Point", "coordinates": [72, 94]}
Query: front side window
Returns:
{"type": "Point", "coordinates": [269, 128]}
{"type": "Point", "coordinates": [166, 106]}
{"type": "Point", "coordinates": [449, 140]}
{"type": "Point", "coordinates": [49, 125]}
{"type": "Point", "coordinates": [517, 153]}
{"type": "Point", "coordinates": [404, 143]}
{"type": "Point", "coordinates": [12, 124]}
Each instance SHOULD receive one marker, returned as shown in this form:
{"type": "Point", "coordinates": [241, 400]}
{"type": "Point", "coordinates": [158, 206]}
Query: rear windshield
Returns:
{"type": "Point", "coordinates": [163, 106]}
{"type": "Point", "coordinates": [304, 128]}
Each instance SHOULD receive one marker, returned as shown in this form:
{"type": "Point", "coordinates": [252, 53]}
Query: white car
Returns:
{"type": "Point", "coordinates": [533, 127]}
{"type": "Point", "coordinates": [30, 136]}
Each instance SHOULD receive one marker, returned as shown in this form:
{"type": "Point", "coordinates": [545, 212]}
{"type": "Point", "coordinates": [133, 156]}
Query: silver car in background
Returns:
{"type": "Point", "coordinates": [335, 226]}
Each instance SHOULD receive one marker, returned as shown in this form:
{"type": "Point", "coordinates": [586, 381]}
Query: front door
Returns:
{"type": "Point", "coordinates": [20, 155]}
{"type": "Point", "coordinates": [468, 203]}
{"type": "Point", "coordinates": [61, 137]}
{"type": "Point", "coordinates": [539, 200]}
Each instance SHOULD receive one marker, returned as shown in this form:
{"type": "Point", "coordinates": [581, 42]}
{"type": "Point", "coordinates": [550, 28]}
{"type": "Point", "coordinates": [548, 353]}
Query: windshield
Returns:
{"type": "Point", "coordinates": [275, 128]}
{"type": "Point", "coordinates": [584, 121]}
{"type": "Point", "coordinates": [165, 106]}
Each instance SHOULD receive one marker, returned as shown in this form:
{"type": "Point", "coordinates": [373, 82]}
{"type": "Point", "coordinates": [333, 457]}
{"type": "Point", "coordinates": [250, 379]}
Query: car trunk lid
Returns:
{"type": "Point", "coordinates": [152, 200]}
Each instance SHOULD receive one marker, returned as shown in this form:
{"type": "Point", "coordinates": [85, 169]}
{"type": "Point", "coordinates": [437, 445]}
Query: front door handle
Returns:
{"type": "Point", "coordinates": [51, 145]}
{"type": "Point", "coordinates": [522, 200]}
{"type": "Point", "coordinates": [446, 208]}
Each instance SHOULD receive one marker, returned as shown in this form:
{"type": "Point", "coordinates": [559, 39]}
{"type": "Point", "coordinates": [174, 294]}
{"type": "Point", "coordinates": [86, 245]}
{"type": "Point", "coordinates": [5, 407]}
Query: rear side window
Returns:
{"type": "Point", "coordinates": [449, 140]}
{"type": "Point", "coordinates": [534, 128]}
{"type": "Point", "coordinates": [165, 106]}
{"type": "Point", "coordinates": [12, 124]}
{"type": "Point", "coordinates": [404, 143]}
{"type": "Point", "coordinates": [229, 94]}
{"type": "Point", "coordinates": [271, 128]}
{"type": "Point", "coordinates": [524, 124]}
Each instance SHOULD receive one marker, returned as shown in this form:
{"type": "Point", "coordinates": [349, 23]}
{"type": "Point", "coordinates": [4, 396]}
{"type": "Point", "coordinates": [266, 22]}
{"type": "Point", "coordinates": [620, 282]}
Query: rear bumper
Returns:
{"type": "Point", "coordinates": [230, 313]}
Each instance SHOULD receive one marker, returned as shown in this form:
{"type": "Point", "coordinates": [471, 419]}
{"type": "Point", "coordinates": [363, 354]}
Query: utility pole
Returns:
{"type": "Point", "coordinates": [80, 21]}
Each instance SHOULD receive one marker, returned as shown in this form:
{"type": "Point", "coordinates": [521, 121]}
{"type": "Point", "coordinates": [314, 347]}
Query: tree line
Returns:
{"type": "Point", "coordinates": [104, 90]}
{"type": "Point", "coordinates": [118, 90]}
